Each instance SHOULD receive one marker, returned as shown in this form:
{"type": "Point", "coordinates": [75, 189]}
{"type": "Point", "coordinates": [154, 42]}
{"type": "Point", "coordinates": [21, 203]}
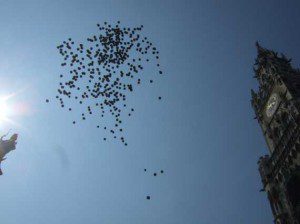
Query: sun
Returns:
{"type": "Point", "coordinates": [11, 109]}
{"type": "Point", "coordinates": [7, 108]}
{"type": "Point", "coordinates": [4, 109]}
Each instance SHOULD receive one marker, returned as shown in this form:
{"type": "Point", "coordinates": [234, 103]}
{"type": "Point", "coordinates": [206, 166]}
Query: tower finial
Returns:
{"type": "Point", "coordinates": [257, 44]}
{"type": "Point", "coordinates": [259, 47]}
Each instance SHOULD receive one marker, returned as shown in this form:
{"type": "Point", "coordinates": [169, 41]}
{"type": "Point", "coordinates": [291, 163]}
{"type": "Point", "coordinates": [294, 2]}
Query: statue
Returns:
{"type": "Point", "coordinates": [6, 146]}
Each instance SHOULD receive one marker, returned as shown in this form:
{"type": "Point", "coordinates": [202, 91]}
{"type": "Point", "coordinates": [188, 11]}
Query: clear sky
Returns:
{"type": "Point", "coordinates": [202, 134]}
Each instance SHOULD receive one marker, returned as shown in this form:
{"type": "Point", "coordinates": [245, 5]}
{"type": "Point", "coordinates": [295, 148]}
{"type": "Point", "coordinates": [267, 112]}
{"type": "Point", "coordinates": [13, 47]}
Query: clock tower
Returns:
{"type": "Point", "coordinates": [277, 108]}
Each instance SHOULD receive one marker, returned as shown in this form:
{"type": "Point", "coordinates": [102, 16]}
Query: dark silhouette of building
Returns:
{"type": "Point", "coordinates": [277, 108]}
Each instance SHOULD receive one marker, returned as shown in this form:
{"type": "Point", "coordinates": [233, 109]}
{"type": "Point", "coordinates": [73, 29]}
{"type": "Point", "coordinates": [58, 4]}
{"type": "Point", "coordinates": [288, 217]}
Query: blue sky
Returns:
{"type": "Point", "coordinates": [202, 134]}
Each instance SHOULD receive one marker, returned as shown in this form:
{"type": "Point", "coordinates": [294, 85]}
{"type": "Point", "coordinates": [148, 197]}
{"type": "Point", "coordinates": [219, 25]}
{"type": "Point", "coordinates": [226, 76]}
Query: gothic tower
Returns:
{"type": "Point", "coordinates": [277, 108]}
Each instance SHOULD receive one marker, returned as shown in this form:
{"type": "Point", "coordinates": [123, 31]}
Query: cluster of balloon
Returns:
{"type": "Point", "coordinates": [100, 73]}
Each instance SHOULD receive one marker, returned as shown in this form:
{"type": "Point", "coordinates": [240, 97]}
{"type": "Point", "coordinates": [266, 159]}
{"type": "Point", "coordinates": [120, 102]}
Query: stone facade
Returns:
{"type": "Point", "coordinates": [277, 109]}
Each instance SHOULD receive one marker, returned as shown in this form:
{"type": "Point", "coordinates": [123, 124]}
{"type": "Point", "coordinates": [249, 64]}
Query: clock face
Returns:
{"type": "Point", "coordinates": [272, 105]}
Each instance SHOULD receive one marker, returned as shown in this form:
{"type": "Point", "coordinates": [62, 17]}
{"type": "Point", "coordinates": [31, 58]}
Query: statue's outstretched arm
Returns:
{"type": "Point", "coordinates": [4, 135]}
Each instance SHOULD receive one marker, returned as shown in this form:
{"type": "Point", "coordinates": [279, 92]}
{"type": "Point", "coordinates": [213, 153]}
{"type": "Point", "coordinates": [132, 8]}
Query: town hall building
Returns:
{"type": "Point", "coordinates": [277, 109]}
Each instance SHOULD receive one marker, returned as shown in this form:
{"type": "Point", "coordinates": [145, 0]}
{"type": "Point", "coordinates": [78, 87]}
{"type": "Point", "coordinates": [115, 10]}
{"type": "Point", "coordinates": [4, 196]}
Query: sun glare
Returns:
{"type": "Point", "coordinates": [4, 109]}
{"type": "Point", "coordinates": [10, 109]}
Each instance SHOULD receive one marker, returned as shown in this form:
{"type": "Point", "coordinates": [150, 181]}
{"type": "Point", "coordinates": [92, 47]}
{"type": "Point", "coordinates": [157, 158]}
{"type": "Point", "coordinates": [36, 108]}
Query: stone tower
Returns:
{"type": "Point", "coordinates": [277, 109]}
